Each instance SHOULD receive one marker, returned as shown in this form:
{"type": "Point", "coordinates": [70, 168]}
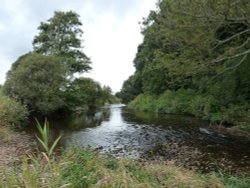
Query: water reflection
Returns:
{"type": "Point", "coordinates": [121, 132]}
{"type": "Point", "coordinates": [77, 122]}
{"type": "Point", "coordinates": [80, 121]}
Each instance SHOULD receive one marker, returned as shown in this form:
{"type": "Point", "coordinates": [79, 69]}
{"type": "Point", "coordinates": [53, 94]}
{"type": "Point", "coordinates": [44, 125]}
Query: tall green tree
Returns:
{"type": "Point", "coordinates": [191, 44]}
{"type": "Point", "coordinates": [37, 81]}
{"type": "Point", "coordinates": [83, 94]}
{"type": "Point", "coordinates": [201, 46]}
{"type": "Point", "coordinates": [193, 38]}
{"type": "Point", "coordinates": [61, 36]}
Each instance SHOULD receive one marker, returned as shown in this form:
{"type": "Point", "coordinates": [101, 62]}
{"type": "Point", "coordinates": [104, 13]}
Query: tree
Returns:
{"type": "Point", "coordinates": [189, 44]}
{"type": "Point", "coordinates": [107, 96]}
{"type": "Point", "coordinates": [61, 36]}
{"type": "Point", "coordinates": [201, 46]}
{"type": "Point", "coordinates": [83, 94]}
{"type": "Point", "coordinates": [37, 81]}
{"type": "Point", "coordinates": [194, 36]}
{"type": "Point", "coordinates": [130, 88]}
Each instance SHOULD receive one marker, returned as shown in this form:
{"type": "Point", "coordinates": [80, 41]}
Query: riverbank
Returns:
{"type": "Point", "coordinates": [234, 130]}
{"type": "Point", "coordinates": [233, 120]}
{"type": "Point", "coordinates": [85, 168]}
{"type": "Point", "coordinates": [13, 147]}
{"type": "Point", "coordinates": [171, 165]}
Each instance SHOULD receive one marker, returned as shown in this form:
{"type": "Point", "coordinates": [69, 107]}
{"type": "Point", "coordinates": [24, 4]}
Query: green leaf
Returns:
{"type": "Point", "coordinates": [54, 145]}
{"type": "Point", "coordinates": [43, 144]}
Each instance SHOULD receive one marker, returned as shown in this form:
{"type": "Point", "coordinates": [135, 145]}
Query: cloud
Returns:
{"type": "Point", "coordinates": [111, 32]}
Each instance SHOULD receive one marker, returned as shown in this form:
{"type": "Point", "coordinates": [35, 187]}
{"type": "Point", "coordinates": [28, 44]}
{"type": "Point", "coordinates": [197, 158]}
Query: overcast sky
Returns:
{"type": "Point", "coordinates": [111, 32]}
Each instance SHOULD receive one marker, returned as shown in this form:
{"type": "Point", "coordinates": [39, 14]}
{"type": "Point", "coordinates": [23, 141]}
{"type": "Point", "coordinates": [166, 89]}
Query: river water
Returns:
{"type": "Point", "coordinates": [121, 132]}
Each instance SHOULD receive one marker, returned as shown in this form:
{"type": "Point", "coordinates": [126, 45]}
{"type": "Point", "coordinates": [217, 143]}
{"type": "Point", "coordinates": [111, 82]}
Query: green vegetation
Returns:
{"type": "Point", "coordinates": [61, 36]}
{"type": "Point", "coordinates": [186, 101]}
{"type": "Point", "coordinates": [194, 59]}
{"type": "Point", "coordinates": [12, 112]}
{"type": "Point", "coordinates": [44, 140]}
{"type": "Point", "coordinates": [36, 81]}
{"type": "Point", "coordinates": [44, 81]}
{"type": "Point", "coordinates": [82, 168]}
{"type": "Point", "coordinates": [84, 94]}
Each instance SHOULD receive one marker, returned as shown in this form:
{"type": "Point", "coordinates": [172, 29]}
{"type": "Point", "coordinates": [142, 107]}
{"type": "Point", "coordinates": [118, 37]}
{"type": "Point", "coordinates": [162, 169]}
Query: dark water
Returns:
{"type": "Point", "coordinates": [120, 132]}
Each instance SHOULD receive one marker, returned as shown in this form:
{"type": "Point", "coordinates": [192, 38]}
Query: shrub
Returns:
{"type": "Point", "coordinates": [12, 112]}
{"type": "Point", "coordinates": [205, 107]}
{"type": "Point", "coordinates": [144, 102]}
{"type": "Point", "coordinates": [189, 102]}
{"type": "Point", "coordinates": [175, 101]}
{"type": "Point", "coordinates": [168, 102]}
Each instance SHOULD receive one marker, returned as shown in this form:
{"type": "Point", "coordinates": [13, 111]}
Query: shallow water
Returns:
{"type": "Point", "coordinates": [121, 132]}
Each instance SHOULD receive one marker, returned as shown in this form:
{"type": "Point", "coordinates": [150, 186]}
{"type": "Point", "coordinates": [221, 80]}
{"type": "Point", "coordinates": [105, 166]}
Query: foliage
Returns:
{"type": "Point", "coordinates": [189, 102]}
{"type": "Point", "coordinates": [12, 112]}
{"type": "Point", "coordinates": [130, 89]}
{"type": "Point", "coordinates": [201, 46]}
{"type": "Point", "coordinates": [231, 181]}
{"type": "Point", "coordinates": [84, 94]}
{"type": "Point", "coordinates": [44, 140]}
{"type": "Point", "coordinates": [36, 81]}
{"type": "Point", "coordinates": [82, 168]}
{"type": "Point", "coordinates": [144, 102]}
{"type": "Point", "coordinates": [107, 96]}
{"type": "Point", "coordinates": [44, 80]}
{"type": "Point", "coordinates": [61, 36]}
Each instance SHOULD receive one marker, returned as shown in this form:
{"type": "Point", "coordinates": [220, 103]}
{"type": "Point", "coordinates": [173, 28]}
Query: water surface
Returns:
{"type": "Point", "coordinates": [121, 132]}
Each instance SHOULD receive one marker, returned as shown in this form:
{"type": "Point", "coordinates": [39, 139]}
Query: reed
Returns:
{"type": "Point", "coordinates": [44, 139]}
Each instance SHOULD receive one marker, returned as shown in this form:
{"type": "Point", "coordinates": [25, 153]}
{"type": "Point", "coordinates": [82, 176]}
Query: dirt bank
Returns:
{"type": "Point", "coordinates": [14, 148]}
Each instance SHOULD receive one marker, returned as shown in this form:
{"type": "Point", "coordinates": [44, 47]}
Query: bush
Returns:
{"type": "Point", "coordinates": [175, 102]}
{"type": "Point", "coordinates": [189, 102]}
{"type": "Point", "coordinates": [205, 107]}
{"type": "Point", "coordinates": [168, 102]}
{"type": "Point", "coordinates": [144, 102]}
{"type": "Point", "coordinates": [12, 112]}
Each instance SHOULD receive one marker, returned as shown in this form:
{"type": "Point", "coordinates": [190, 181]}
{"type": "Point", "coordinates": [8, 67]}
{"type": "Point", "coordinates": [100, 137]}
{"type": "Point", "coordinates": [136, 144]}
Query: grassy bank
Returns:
{"type": "Point", "coordinates": [81, 168]}
{"type": "Point", "coordinates": [189, 102]}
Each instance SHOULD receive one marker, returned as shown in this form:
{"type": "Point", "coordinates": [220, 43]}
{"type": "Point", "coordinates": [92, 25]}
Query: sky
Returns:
{"type": "Point", "coordinates": [111, 33]}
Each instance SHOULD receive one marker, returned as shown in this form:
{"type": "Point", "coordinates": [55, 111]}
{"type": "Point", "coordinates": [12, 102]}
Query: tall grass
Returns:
{"type": "Point", "coordinates": [82, 168]}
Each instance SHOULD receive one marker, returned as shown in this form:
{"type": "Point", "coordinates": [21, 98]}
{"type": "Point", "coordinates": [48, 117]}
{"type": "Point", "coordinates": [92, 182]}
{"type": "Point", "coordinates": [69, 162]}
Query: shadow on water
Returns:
{"type": "Point", "coordinates": [121, 132]}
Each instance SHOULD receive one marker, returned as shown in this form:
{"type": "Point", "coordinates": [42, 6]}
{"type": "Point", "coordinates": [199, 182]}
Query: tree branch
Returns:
{"type": "Point", "coordinates": [231, 57]}
{"type": "Point", "coordinates": [220, 42]}
{"type": "Point", "coordinates": [231, 68]}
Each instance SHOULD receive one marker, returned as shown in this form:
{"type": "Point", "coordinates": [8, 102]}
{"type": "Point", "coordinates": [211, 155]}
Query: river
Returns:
{"type": "Point", "coordinates": [186, 140]}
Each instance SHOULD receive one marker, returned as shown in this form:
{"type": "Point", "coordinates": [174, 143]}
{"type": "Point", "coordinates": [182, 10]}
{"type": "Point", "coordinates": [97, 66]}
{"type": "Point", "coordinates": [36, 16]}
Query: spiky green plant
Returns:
{"type": "Point", "coordinates": [44, 140]}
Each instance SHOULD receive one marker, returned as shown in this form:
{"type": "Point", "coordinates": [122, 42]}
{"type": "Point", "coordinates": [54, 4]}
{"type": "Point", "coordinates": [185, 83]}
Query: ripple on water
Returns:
{"type": "Point", "coordinates": [121, 132]}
